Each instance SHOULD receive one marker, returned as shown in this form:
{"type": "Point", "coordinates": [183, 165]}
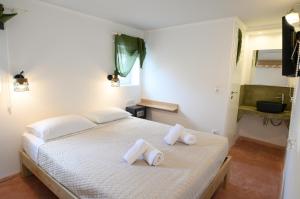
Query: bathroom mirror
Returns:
{"type": "Point", "coordinates": [266, 69]}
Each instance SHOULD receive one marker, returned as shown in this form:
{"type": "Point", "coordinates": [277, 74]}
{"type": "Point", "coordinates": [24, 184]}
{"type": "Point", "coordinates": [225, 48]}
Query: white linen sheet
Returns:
{"type": "Point", "coordinates": [31, 145]}
{"type": "Point", "coordinates": [90, 163]}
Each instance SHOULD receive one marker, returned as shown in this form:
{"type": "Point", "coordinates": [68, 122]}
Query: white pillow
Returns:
{"type": "Point", "coordinates": [107, 115]}
{"type": "Point", "coordinates": [59, 126]}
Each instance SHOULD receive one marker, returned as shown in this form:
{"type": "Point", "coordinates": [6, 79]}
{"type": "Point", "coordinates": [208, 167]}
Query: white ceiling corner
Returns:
{"type": "Point", "coordinates": [154, 14]}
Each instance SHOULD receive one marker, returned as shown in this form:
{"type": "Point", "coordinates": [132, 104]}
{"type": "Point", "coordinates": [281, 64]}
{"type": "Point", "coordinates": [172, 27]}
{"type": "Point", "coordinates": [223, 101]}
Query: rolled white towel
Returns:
{"type": "Point", "coordinates": [173, 134]}
{"type": "Point", "coordinates": [137, 150]}
{"type": "Point", "coordinates": [153, 156]}
{"type": "Point", "coordinates": [187, 138]}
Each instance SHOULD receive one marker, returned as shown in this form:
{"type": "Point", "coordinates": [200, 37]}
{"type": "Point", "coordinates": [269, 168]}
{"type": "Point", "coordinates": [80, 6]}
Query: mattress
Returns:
{"type": "Point", "coordinates": [31, 145]}
{"type": "Point", "coordinates": [90, 163]}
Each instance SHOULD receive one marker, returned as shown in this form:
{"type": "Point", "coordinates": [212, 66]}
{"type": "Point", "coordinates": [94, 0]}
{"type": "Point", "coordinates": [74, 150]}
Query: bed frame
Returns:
{"type": "Point", "coordinates": [29, 167]}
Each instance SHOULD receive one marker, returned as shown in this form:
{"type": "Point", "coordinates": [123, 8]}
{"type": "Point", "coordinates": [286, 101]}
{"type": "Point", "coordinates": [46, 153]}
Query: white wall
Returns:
{"type": "Point", "coordinates": [252, 126]}
{"type": "Point", "coordinates": [185, 65]}
{"type": "Point", "coordinates": [269, 76]}
{"type": "Point", "coordinates": [66, 56]}
{"type": "Point", "coordinates": [292, 164]}
{"type": "Point", "coordinates": [3, 61]}
{"type": "Point", "coordinates": [259, 40]}
{"type": "Point", "coordinates": [8, 158]}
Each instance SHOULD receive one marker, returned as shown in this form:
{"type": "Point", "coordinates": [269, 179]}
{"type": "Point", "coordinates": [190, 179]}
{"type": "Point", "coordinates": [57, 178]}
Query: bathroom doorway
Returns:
{"type": "Point", "coordinates": [266, 102]}
{"type": "Point", "coordinates": [265, 108]}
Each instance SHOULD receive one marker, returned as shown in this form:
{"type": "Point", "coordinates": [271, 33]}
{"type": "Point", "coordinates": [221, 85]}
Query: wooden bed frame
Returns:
{"type": "Point", "coordinates": [29, 167]}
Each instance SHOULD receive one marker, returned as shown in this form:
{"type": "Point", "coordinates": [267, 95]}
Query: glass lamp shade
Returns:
{"type": "Point", "coordinates": [21, 85]}
{"type": "Point", "coordinates": [115, 84]}
{"type": "Point", "coordinates": [115, 81]}
{"type": "Point", "coordinates": [292, 18]}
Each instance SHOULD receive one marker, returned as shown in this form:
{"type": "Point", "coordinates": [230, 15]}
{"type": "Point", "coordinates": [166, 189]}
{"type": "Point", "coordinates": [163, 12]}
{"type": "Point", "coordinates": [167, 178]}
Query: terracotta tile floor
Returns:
{"type": "Point", "coordinates": [255, 174]}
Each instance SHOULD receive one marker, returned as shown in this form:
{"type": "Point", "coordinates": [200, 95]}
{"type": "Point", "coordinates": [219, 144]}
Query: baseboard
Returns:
{"type": "Point", "coordinates": [267, 144]}
{"type": "Point", "coordinates": [9, 177]}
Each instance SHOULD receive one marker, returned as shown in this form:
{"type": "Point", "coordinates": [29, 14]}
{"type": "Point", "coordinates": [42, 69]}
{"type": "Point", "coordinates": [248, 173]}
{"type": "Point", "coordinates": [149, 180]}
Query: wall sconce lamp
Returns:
{"type": "Point", "coordinates": [21, 83]}
{"type": "Point", "coordinates": [115, 81]}
{"type": "Point", "coordinates": [292, 17]}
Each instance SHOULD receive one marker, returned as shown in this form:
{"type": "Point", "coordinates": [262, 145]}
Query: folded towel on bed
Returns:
{"type": "Point", "coordinates": [137, 150]}
{"type": "Point", "coordinates": [153, 156]}
{"type": "Point", "coordinates": [187, 138]}
{"type": "Point", "coordinates": [143, 150]}
{"type": "Point", "coordinates": [174, 134]}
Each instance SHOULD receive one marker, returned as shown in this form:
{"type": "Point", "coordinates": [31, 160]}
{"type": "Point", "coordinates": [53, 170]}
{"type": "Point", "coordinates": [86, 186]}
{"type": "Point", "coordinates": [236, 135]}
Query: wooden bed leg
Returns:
{"type": "Point", "coordinates": [25, 172]}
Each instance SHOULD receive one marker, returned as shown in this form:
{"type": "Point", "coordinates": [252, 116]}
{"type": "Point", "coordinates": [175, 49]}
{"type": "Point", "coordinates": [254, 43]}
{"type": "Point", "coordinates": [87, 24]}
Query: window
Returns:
{"type": "Point", "coordinates": [133, 78]}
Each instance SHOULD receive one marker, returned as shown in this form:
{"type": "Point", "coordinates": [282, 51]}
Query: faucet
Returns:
{"type": "Point", "coordinates": [281, 97]}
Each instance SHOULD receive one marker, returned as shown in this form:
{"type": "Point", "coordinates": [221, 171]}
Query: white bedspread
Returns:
{"type": "Point", "coordinates": [31, 145]}
{"type": "Point", "coordinates": [90, 163]}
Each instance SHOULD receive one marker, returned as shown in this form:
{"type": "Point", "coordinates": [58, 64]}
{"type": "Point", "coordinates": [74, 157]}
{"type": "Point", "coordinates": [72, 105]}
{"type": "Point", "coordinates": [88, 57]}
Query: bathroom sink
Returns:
{"type": "Point", "coordinates": [270, 107]}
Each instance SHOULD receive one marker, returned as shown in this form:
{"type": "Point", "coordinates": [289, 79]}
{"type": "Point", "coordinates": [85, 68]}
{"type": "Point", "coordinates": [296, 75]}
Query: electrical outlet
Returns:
{"type": "Point", "coordinates": [215, 131]}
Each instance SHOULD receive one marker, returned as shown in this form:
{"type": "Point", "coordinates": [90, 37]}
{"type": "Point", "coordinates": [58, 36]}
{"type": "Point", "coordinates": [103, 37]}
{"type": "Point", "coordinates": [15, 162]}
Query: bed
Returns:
{"type": "Point", "coordinates": [89, 164]}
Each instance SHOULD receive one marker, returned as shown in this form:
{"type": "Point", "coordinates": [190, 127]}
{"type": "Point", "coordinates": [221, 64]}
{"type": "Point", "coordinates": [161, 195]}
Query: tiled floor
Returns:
{"type": "Point", "coordinates": [24, 188]}
{"type": "Point", "coordinates": [255, 174]}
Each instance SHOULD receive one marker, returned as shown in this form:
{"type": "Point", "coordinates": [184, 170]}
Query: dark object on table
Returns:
{"type": "Point", "coordinates": [137, 111]}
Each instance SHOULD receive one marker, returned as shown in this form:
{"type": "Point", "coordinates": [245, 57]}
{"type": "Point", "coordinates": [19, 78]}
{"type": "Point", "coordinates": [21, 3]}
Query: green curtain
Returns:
{"type": "Point", "coordinates": [4, 17]}
{"type": "Point", "coordinates": [127, 50]}
{"type": "Point", "coordinates": [256, 57]}
{"type": "Point", "coordinates": [1, 10]}
{"type": "Point", "coordinates": [239, 46]}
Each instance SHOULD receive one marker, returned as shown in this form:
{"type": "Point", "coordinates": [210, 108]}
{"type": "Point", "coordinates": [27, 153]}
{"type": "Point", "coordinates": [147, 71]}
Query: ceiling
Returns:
{"type": "Point", "coordinates": [154, 14]}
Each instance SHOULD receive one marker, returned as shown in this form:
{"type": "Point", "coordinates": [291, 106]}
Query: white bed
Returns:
{"type": "Point", "coordinates": [90, 164]}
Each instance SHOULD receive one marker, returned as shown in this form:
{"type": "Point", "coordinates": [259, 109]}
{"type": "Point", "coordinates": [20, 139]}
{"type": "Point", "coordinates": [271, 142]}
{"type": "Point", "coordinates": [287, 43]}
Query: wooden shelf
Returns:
{"type": "Point", "coordinates": [159, 105]}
